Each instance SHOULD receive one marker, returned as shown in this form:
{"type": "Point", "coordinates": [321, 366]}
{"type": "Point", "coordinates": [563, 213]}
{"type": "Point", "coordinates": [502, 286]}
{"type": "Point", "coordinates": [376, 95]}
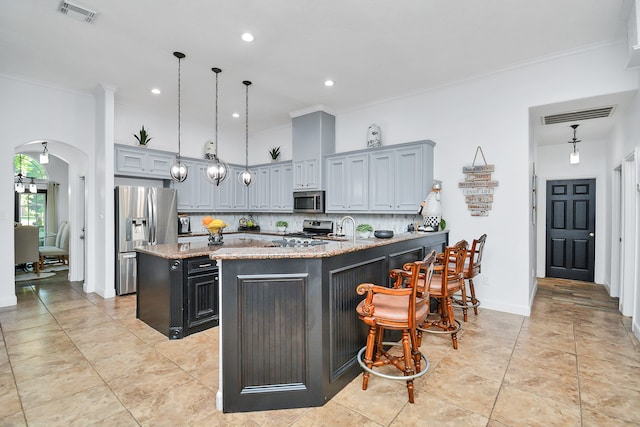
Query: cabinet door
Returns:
{"type": "Point", "coordinates": [381, 180]}
{"type": "Point", "coordinates": [306, 174]}
{"type": "Point", "coordinates": [142, 162]}
{"type": "Point", "coordinates": [202, 301]}
{"type": "Point", "coordinates": [260, 189]}
{"type": "Point", "coordinates": [240, 195]}
{"type": "Point", "coordinates": [186, 190]}
{"type": "Point", "coordinates": [129, 161]}
{"type": "Point", "coordinates": [410, 176]}
{"type": "Point", "coordinates": [159, 164]}
{"type": "Point", "coordinates": [281, 187]}
{"type": "Point", "coordinates": [357, 182]}
{"type": "Point", "coordinates": [347, 183]}
{"type": "Point", "coordinates": [312, 167]}
{"type": "Point", "coordinates": [336, 196]}
{"type": "Point", "coordinates": [204, 190]}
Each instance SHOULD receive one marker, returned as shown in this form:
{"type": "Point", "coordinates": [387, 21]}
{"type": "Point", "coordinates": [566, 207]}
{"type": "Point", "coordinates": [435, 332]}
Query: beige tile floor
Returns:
{"type": "Point", "coordinates": [67, 358]}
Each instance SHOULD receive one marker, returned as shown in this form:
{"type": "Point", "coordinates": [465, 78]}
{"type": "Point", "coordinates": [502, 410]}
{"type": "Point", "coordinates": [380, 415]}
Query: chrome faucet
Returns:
{"type": "Point", "coordinates": [340, 226]}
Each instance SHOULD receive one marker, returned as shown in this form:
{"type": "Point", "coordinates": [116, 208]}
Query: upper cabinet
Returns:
{"type": "Point", "coordinates": [281, 187]}
{"type": "Point", "coordinates": [313, 136]}
{"type": "Point", "coordinates": [142, 162]}
{"type": "Point", "coordinates": [196, 193]}
{"type": "Point", "coordinates": [232, 194]}
{"type": "Point", "coordinates": [347, 187]}
{"type": "Point", "coordinates": [393, 179]}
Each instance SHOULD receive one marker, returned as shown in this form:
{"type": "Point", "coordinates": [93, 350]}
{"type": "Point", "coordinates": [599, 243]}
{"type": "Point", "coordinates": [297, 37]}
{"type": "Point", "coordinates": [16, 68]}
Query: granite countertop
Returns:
{"type": "Point", "coordinates": [263, 248]}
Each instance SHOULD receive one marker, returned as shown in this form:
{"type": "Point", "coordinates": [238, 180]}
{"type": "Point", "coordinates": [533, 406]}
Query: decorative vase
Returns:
{"type": "Point", "coordinates": [364, 234]}
{"type": "Point", "coordinates": [215, 238]}
{"type": "Point", "coordinates": [374, 136]}
{"type": "Point", "coordinates": [281, 229]}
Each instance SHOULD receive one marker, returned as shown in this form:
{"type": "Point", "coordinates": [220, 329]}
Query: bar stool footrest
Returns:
{"type": "Point", "coordinates": [394, 377]}
{"type": "Point", "coordinates": [441, 329]}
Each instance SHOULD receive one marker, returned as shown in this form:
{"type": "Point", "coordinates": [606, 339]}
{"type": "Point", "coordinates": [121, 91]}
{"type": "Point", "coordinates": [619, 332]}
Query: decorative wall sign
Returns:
{"type": "Point", "coordinates": [477, 186]}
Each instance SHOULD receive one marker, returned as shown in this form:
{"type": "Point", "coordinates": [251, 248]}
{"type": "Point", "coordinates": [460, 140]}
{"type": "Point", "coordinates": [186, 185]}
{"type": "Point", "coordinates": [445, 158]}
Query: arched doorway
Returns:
{"type": "Point", "coordinates": [67, 166]}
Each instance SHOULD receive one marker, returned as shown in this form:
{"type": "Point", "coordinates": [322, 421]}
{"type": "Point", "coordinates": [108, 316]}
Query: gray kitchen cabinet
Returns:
{"type": "Point", "coordinates": [313, 136]}
{"type": "Point", "coordinates": [232, 194]}
{"type": "Point", "coordinates": [347, 186]}
{"type": "Point", "coordinates": [399, 179]}
{"type": "Point", "coordinates": [395, 179]}
{"type": "Point", "coordinates": [260, 189]}
{"type": "Point", "coordinates": [196, 193]}
{"type": "Point", "coordinates": [282, 187]}
{"type": "Point", "coordinates": [142, 162]}
{"type": "Point", "coordinates": [306, 174]}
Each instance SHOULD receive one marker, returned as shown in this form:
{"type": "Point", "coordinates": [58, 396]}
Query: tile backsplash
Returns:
{"type": "Point", "coordinates": [267, 221]}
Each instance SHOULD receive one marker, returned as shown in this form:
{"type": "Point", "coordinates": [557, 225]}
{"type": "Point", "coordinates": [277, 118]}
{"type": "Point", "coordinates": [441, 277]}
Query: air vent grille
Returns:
{"type": "Point", "coordinates": [76, 11]}
{"type": "Point", "coordinates": [574, 116]}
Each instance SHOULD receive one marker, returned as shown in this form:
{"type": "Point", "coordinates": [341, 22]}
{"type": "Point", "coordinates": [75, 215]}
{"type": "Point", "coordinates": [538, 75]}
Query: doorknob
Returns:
{"type": "Point", "coordinates": [591, 234]}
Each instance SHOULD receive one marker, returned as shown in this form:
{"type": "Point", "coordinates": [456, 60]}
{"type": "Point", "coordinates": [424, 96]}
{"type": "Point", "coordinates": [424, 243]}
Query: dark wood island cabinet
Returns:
{"type": "Point", "coordinates": [290, 333]}
{"type": "Point", "coordinates": [177, 297]}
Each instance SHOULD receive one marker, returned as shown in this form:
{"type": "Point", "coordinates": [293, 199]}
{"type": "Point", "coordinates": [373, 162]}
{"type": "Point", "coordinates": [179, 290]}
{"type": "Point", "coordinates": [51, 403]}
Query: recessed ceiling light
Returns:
{"type": "Point", "coordinates": [328, 83]}
{"type": "Point", "coordinates": [236, 115]}
{"type": "Point", "coordinates": [155, 91]}
{"type": "Point", "coordinates": [248, 37]}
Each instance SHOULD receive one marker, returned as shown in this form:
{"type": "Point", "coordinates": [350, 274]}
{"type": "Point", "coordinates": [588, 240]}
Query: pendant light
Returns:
{"type": "Point", "coordinates": [44, 156]}
{"type": "Point", "coordinates": [33, 188]}
{"type": "Point", "coordinates": [216, 170]}
{"type": "Point", "coordinates": [574, 158]}
{"type": "Point", "coordinates": [19, 185]}
{"type": "Point", "coordinates": [246, 176]}
{"type": "Point", "coordinates": [179, 170]}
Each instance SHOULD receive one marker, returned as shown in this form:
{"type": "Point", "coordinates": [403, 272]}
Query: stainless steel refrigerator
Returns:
{"type": "Point", "coordinates": [144, 216]}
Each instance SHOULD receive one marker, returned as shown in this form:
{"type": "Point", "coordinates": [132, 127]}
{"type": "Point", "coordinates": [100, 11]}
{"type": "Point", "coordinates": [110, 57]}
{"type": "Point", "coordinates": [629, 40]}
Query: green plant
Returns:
{"type": "Point", "coordinates": [143, 137]}
{"type": "Point", "coordinates": [282, 224]}
{"type": "Point", "coordinates": [443, 224]}
{"type": "Point", "coordinates": [364, 228]}
{"type": "Point", "coordinates": [274, 153]}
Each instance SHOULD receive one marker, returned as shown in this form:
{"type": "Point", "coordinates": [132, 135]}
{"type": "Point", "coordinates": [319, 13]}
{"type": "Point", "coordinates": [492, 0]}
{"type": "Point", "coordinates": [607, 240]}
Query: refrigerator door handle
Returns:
{"type": "Point", "coordinates": [152, 219]}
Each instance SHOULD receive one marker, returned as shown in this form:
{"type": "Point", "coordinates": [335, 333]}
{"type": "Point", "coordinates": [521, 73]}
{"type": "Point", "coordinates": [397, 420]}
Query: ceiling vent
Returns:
{"type": "Point", "coordinates": [575, 116]}
{"type": "Point", "coordinates": [77, 11]}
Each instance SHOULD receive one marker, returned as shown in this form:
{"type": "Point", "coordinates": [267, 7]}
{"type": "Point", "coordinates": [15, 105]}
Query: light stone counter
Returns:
{"type": "Point", "coordinates": [261, 246]}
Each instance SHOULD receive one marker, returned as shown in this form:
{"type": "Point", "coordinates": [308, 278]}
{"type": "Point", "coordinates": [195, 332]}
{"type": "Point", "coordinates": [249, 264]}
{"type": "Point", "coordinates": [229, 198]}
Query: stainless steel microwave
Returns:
{"type": "Point", "coordinates": [308, 201]}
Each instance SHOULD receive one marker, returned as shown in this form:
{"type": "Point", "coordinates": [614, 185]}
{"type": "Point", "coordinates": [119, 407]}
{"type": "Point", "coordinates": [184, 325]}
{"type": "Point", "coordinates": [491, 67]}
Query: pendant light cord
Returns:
{"type": "Point", "coordinates": [246, 126]}
{"type": "Point", "coordinates": [179, 103]}
{"type": "Point", "coordinates": [217, 71]}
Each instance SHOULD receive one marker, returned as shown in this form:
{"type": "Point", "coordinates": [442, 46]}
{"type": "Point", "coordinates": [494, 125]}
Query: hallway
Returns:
{"type": "Point", "coordinates": [69, 358]}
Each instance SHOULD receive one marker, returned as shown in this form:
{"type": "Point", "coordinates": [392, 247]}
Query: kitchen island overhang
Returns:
{"type": "Point", "coordinates": [289, 333]}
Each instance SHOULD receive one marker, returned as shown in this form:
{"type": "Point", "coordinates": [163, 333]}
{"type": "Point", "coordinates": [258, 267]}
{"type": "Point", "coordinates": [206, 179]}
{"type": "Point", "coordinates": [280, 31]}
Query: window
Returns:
{"type": "Point", "coordinates": [31, 208]}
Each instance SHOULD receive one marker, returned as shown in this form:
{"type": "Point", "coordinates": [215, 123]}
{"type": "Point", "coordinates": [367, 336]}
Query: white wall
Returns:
{"type": "Point", "coordinates": [492, 112]}
{"type": "Point", "coordinates": [553, 164]}
{"type": "Point", "coordinates": [31, 113]}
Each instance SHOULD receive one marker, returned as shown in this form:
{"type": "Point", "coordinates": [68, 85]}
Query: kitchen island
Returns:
{"type": "Point", "coordinates": [289, 332]}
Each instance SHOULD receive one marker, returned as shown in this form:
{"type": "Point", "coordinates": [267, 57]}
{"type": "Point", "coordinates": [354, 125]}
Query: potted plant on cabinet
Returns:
{"type": "Point", "coordinates": [364, 230]}
{"type": "Point", "coordinates": [282, 226]}
{"type": "Point", "coordinates": [142, 137]}
{"type": "Point", "coordinates": [274, 153]}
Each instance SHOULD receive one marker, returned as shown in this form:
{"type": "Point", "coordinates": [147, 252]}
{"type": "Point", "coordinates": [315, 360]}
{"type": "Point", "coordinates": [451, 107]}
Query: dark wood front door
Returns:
{"type": "Point", "coordinates": [571, 222]}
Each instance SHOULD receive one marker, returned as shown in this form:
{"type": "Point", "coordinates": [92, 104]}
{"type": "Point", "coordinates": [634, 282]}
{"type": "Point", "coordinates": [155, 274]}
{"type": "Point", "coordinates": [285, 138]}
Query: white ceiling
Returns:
{"type": "Point", "coordinates": [373, 49]}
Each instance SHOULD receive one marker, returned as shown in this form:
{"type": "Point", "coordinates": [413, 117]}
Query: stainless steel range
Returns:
{"type": "Point", "coordinates": [312, 228]}
{"type": "Point", "coordinates": [312, 233]}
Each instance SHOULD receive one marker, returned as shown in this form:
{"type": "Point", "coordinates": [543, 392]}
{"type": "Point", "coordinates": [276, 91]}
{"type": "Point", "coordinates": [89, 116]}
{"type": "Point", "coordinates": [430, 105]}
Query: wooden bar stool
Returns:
{"type": "Point", "coordinates": [447, 280]}
{"type": "Point", "coordinates": [471, 269]}
{"type": "Point", "coordinates": [402, 308]}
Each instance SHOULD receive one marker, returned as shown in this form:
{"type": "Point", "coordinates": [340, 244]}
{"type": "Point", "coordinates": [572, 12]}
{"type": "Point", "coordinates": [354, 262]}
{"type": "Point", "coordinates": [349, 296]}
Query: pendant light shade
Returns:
{"type": "Point", "coordinates": [33, 188]}
{"type": "Point", "coordinates": [216, 170]}
{"type": "Point", "coordinates": [574, 157]}
{"type": "Point", "coordinates": [44, 156]}
{"type": "Point", "coordinates": [246, 177]}
{"type": "Point", "coordinates": [179, 170]}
